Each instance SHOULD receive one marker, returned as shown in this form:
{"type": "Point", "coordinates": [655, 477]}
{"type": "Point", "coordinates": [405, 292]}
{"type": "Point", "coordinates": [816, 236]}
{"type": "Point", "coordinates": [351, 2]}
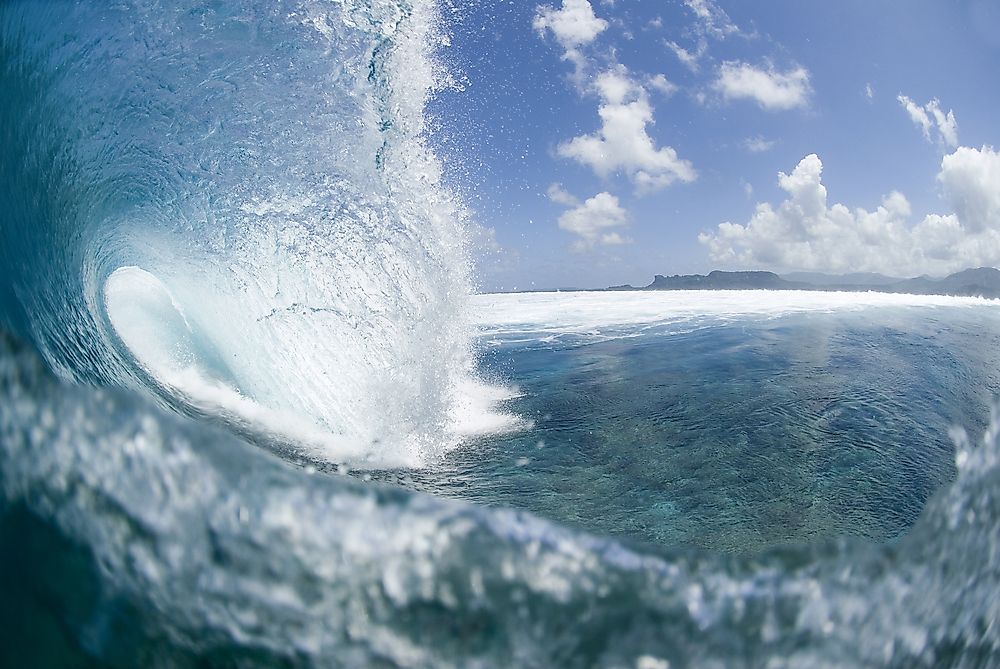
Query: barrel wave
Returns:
{"type": "Point", "coordinates": [229, 252]}
{"type": "Point", "coordinates": [272, 153]}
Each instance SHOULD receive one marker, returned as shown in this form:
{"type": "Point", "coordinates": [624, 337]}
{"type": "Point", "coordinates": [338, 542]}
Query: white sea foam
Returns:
{"type": "Point", "coordinates": [536, 316]}
{"type": "Point", "coordinates": [474, 411]}
{"type": "Point", "coordinates": [152, 324]}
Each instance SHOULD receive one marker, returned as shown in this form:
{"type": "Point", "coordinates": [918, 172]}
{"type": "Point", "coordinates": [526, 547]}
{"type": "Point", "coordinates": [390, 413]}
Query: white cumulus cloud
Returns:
{"type": "Point", "coordinates": [806, 233]}
{"type": "Point", "coordinates": [771, 89]}
{"type": "Point", "coordinates": [596, 221]}
{"type": "Point", "coordinates": [574, 25]}
{"type": "Point", "coordinates": [623, 143]}
{"type": "Point", "coordinates": [711, 18]}
{"type": "Point", "coordinates": [971, 181]}
{"type": "Point", "coordinates": [931, 117]}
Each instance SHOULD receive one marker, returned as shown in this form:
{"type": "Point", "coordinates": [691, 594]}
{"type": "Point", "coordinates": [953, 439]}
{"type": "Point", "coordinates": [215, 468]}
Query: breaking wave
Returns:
{"type": "Point", "coordinates": [235, 208]}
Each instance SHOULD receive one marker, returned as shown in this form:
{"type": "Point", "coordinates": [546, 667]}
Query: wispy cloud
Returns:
{"type": "Point", "coordinates": [758, 144]}
{"type": "Point", "coordinates": [712, 20]}
{"type": "Point", "coordinates": [769, 88]}
{"type": "Point", "coordinates": [660, 83]}
{"type": "Point", "coordinates": [560, 195]}
{"type": "Point", "coordinates": [690, 59]}
{"type": "Point", "coordinates": [930, 118]}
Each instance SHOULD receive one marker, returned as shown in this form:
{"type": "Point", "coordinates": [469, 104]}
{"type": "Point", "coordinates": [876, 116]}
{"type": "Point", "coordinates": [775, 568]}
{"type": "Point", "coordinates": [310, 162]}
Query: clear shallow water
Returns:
{"type": "Point", "coordinates": [206, 288]}
{"type": "Point", "coordinates": [745, 430]}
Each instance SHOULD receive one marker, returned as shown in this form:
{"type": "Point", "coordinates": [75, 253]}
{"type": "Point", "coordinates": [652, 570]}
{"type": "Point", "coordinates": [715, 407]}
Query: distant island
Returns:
{"type": "Point", "coordinates": [981, 282]}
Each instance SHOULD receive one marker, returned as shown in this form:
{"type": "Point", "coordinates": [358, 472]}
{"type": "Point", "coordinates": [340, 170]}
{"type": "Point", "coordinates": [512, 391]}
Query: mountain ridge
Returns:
{"type": "Point", "coordinates": [973, 282]}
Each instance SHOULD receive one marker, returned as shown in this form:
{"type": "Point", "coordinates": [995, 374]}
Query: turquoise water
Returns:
{"type": "Point", "coordinates": [736, 436]}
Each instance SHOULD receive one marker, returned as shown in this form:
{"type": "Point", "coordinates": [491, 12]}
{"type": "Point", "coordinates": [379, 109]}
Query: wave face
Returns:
{"type": "Point", "coordinates": [233, 206]}
{"type": "Point", "coordinates": [136, 538]}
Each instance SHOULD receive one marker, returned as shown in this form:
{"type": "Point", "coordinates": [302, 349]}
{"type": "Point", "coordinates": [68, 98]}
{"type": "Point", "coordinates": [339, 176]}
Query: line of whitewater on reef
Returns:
{"type": "Point", "coordinates": [598, 315]}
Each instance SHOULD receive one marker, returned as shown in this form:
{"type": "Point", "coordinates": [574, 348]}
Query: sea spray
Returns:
{"type": "Point", "coordinates": [267, 167]}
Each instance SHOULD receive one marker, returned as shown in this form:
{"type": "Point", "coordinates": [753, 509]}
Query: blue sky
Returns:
{"type": "Point", "coordinates": [602, 142]}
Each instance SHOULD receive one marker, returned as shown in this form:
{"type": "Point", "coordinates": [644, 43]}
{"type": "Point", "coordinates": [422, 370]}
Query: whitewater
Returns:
{"type": "Point", "coordinates": [252, 415]}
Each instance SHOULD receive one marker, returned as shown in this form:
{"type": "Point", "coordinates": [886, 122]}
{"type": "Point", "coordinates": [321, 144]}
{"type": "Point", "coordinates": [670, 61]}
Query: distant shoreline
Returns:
{"type": "Point", "coordinates": [979, 282]}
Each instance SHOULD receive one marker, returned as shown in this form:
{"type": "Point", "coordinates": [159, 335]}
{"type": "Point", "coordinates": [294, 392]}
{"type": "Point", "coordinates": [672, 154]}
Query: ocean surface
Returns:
{"type": "Point", "coordinates": [252, 413]}
{"type": "Point", "coordinates": [726, 420]}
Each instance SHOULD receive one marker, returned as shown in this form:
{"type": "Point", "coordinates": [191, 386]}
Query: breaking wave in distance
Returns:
{"type": "Point", "coordinates": [596, 315]}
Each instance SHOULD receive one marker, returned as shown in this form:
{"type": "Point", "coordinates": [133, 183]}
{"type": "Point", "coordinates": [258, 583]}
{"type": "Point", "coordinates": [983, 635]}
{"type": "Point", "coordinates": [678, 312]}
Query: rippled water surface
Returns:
{"type": "Point", "coordinates": [737, 432]}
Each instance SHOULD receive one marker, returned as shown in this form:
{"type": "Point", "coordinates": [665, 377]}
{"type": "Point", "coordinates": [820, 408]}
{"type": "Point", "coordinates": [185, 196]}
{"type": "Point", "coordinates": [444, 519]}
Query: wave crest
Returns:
{"type": "Point", "coordinates": [267, 165]}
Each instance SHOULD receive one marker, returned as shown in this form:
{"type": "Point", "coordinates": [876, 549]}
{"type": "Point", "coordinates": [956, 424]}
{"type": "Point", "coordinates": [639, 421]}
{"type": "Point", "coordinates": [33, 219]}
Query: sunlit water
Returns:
{"type": "Point", "coordinates": [763, 418]}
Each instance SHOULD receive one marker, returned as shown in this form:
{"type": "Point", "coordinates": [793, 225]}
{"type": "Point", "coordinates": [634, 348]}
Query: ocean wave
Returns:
{"type": "Point", "coordinates": [223, 227]}
{"type": "Point", "coordinates": [235, 209]}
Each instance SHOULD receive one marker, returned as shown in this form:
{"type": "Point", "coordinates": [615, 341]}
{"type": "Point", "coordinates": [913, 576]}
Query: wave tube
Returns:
{"type": "Point", "coordinates": [235, 207]}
